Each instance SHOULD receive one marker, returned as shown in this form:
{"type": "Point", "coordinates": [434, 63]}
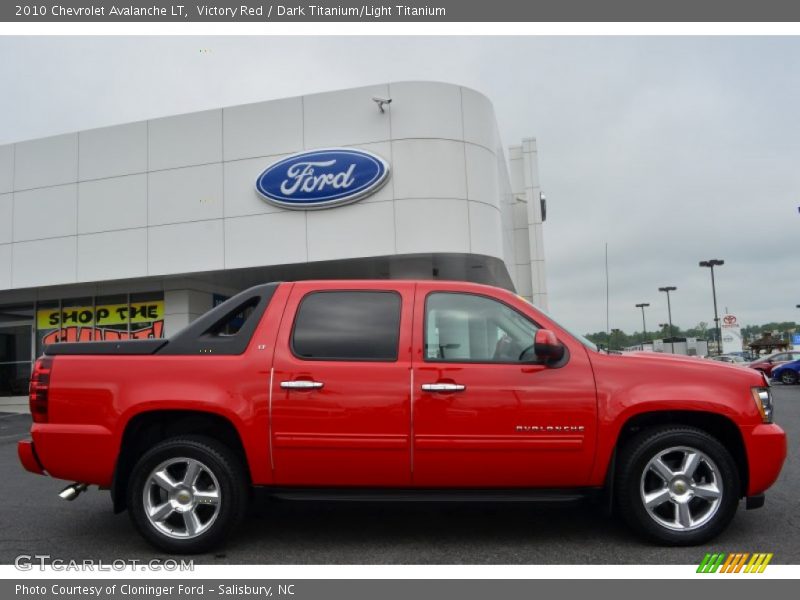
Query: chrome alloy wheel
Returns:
{"type": "Point", "coordinates": [182, 498]}
{"type": "Point", "coordinates": [681, 488]}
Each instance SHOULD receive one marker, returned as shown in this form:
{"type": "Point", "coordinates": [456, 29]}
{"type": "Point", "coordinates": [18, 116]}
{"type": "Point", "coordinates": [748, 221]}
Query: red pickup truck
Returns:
{"type": "Point", "coordinates": [347, 390]}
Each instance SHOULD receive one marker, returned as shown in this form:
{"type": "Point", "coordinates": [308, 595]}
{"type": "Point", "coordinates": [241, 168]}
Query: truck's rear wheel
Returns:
{"type": "Point", "coordinates": [186, 494]}
{"type": "Point", "coordinates": [677, 485]}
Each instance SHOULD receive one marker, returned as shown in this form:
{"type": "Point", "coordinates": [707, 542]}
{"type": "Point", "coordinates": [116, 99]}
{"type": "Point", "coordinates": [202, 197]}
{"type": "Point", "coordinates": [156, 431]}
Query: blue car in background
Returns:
{"type": "Point", "coordinates": [788, 373]}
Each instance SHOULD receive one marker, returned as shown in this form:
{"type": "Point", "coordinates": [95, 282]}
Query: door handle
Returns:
{"type": "Point", "coordinates": [301, 384]}
{"type": "Point", "coordinates": [443, 387]}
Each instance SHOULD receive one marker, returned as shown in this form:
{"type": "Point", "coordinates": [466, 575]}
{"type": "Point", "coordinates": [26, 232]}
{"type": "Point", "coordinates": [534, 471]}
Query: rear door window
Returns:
{"type": "Point", "coordinates": [347, 326]}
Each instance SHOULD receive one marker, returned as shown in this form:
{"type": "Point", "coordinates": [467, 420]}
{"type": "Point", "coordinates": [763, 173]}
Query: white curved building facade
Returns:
{"type": "Point", "coordinates": [136, 229]}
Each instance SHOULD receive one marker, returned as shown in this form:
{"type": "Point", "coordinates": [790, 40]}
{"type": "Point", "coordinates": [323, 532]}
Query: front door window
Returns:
{"type": "Point", "coordinates": [470, 328]}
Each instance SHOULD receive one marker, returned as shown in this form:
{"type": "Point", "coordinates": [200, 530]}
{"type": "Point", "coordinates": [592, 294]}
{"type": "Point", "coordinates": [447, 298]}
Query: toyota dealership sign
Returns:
{"type": "Point", "coordinates": [731, 334]}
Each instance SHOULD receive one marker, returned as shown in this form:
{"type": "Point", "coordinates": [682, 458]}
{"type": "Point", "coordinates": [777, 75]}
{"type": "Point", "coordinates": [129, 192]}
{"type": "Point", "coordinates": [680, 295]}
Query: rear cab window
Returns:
{"type": "Point", "coordinates": [233, 323]}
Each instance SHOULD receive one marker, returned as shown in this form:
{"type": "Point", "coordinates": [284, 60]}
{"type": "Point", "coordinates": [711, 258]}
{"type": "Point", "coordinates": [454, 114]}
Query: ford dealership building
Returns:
{"type": "Point", "coordinates": [134, 230]}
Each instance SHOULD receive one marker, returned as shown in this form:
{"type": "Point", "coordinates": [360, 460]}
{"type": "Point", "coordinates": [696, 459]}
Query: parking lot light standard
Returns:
{"type": "Point", "coordinates": [644, 325]}
{"type": "Point", "coordinates": [714, 262]}
{"type": "Point", "coordinates": [668, 289]}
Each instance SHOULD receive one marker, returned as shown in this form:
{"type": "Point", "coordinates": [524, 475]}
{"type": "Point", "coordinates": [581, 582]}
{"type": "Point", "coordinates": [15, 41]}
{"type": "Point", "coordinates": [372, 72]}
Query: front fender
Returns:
{"type": "Point", "coordinates": [630, 386]}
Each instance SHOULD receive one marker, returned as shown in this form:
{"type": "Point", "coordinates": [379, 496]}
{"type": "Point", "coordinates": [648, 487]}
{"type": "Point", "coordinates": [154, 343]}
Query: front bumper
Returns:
{"type": "Point", "coordinates": [766, 452]}
{"type": "Point", "coordinates": [27, 456]}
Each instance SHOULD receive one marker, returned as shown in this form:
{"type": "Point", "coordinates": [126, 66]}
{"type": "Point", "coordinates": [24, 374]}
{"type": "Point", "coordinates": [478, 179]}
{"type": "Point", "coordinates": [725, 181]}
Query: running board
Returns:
{"type": "Point", "coordinates": [428, 495]}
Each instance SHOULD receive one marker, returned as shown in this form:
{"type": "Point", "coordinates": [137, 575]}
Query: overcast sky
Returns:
{"type": "Point", "coordinates": [672, 150]}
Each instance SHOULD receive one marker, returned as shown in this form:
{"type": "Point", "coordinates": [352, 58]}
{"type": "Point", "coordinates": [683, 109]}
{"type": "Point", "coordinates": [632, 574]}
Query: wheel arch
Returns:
{"type": "Point", "coordinates": [718, 426]}
{"type": "Point", "coordinates": [145, 429]}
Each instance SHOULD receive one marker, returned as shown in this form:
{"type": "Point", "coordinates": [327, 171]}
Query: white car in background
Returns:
{"type": "Point", "coordinates": [729, 358]}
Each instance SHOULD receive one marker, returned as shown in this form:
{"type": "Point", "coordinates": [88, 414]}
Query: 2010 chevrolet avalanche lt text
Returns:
{"type": "Point", "coordinates": [396, 389]}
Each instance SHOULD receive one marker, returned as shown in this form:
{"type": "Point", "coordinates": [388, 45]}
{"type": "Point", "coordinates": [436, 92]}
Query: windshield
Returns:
{"type": "Point", "coordinates": [589, 344]}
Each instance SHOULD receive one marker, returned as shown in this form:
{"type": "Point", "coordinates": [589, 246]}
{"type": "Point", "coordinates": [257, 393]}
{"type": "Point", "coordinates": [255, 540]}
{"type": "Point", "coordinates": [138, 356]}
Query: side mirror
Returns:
{"type": "Point", "coordinates": [546, 346]}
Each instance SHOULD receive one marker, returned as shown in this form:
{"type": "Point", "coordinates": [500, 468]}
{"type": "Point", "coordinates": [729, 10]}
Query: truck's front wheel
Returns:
{"type": "Point", "coordinates": [186, 494]}
{"type": "Point", "coordinates": [677, 485]}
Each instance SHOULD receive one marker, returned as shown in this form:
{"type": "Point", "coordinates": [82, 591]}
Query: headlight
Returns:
{"type": "Point", "coordinates": [763, 398]}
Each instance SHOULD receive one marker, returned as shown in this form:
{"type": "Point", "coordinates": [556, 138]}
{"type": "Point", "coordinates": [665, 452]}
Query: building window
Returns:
{"type": "Point", "coordinates": [48, 324]}
{"type": "Point", "coordinates": [147, 316]}
{"type": "Point", "coordinates": [111, 318]}
{"type": "Point", "coordinates": [470, 328]}
{"type": "Point", "coordinates": [26, 329]}
{"type": "Point", "coordinates": [352, 326]}
{"type": "Point", "coordinates": [76, 319]}
{"type": "Point", "coordinates": [16, 341]}
{"type": "Point", "coordinates": [103, 318]}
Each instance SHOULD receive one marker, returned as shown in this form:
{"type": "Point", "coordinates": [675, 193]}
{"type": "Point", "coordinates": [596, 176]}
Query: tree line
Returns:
{"type": "Point", "coordinates": [620, 339]}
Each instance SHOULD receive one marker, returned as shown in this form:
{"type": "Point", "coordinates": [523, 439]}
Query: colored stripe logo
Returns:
{"type": "Point", "coordinates": [736, 562]}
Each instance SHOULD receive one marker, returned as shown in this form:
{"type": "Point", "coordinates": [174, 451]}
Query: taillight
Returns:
{"type": "Point", "coordinates": [40, 383]}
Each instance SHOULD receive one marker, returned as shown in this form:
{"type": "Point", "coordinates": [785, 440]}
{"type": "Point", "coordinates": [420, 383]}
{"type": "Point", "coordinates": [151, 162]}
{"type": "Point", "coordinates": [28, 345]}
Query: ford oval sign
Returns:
{"type": "Point", "coordinates": [322, 178]}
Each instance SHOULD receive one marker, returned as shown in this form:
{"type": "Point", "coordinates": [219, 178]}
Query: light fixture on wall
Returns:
{"type": "Point", "coordinates": [381, 102]}
{"type": "Point", "coordinates": [543, 206]}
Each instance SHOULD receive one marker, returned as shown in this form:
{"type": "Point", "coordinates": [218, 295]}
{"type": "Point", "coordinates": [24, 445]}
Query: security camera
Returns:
{"type": "Point", "coordinates": [381, 101]}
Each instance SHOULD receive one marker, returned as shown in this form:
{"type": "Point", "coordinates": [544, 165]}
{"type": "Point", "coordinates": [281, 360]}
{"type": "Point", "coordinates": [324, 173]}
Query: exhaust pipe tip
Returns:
{"type": "Point", "coordinates": [72, 491]}
{"type": "Point", "coordinates": [68, 493]}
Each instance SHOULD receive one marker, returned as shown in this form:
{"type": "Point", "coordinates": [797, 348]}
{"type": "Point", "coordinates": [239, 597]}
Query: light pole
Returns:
{"type": "Point", "coordinates": [668, 289]}
{"type": "Point", "coordinates": [714, 262]}
{"type": "Point", "coordinates": [644, 326]}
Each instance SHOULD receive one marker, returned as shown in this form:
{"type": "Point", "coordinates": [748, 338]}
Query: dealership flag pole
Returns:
{"type": "Point", "coordinates": [608, 327]}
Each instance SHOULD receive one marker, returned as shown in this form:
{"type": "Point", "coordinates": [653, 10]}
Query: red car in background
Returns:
{"type": "Point", "coordinates": [767, 363]}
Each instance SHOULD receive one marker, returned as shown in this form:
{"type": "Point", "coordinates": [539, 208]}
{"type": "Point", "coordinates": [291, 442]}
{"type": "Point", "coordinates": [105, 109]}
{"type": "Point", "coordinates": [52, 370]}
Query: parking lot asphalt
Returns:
{"type": "Point", "coordinates": [35, 521]}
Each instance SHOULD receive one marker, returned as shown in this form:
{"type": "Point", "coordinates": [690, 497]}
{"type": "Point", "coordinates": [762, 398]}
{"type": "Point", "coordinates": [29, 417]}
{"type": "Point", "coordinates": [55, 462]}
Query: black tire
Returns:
{"type": "Point", "coordinates": [633, 477]}
{"type": "Point", "coordinates": [788, 377]}
{"type": "Point", "coordinates": [222, 471]}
